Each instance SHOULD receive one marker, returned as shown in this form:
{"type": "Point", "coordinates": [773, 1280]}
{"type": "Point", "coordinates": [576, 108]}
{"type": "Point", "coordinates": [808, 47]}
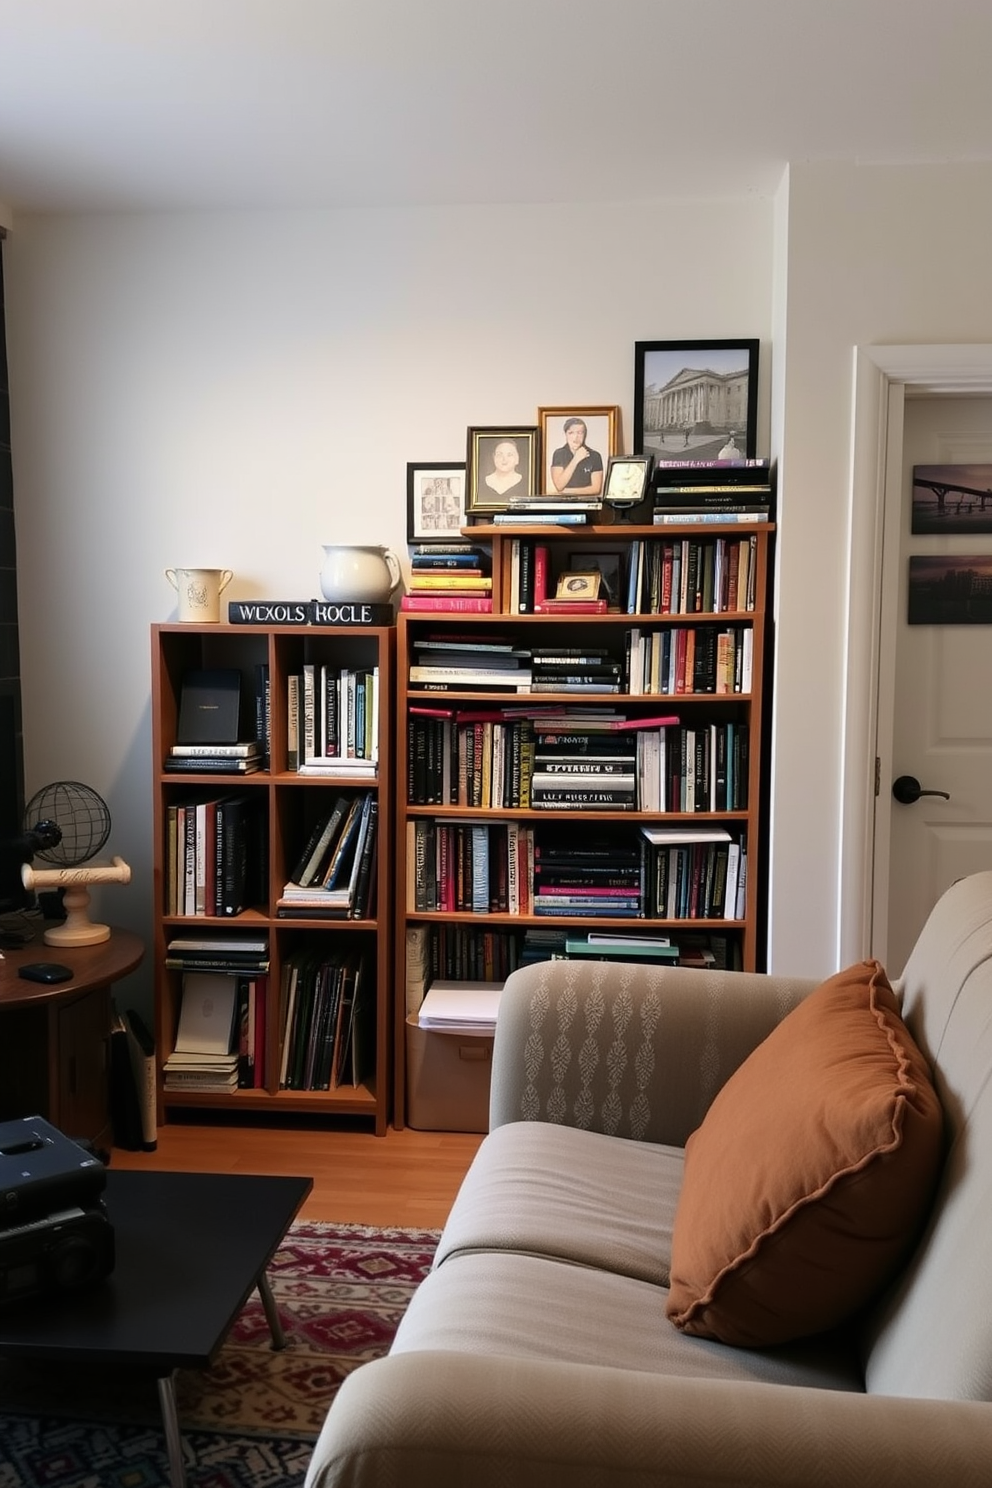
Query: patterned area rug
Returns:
{"type": "Point", "coordinates": [250, 1420]}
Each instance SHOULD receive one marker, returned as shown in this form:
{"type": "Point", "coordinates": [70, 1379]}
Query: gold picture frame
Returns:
{"type": "Point", "coordinates": [563, 476]}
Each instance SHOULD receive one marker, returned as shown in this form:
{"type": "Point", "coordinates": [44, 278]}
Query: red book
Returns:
{"type": "Point", "coordinates": [540, 574]}
{"type": "Point", "coordinates": [571, 607]}
{"type": "Point", "coordinates": [471, 603]}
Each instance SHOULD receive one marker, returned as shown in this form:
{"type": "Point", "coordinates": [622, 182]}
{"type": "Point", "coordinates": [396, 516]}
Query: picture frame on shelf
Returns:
{"type": "Point", "coordinates": [579, 585]}
{"type": "Point", "coordinates": [696, 400]}
{"type": "Point", "coordinates": [435, 500]}
{"type": "Point", "coordinates": [567, 430]}
{"type": "Point", "coordinates": [501, 467]}
{"type": "Point", "coordinates": [627, 478]}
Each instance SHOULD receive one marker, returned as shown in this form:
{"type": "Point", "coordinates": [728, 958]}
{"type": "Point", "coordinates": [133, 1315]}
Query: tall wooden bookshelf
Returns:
{"type": "Point", "coordinates": [642, 621]}
{"type": "Point", "coordinates": [286, 805]}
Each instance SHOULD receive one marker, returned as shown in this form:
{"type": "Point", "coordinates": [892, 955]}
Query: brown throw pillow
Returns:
{"type": "Point", "coordinates": [811, 1174]}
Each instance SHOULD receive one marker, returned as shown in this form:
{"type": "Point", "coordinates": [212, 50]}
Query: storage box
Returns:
{"type": "Point", "coordinates": [447, 1080]}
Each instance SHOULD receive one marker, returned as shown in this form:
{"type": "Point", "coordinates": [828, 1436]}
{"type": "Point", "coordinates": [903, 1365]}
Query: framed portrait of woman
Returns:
{"type": "Point", "coordinates": [501, 468]}
{"type": "Point", "coordinates": [577, 444]}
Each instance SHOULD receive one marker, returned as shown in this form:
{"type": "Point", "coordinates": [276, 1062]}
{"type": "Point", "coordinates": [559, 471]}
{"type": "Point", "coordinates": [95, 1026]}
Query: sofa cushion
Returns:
{"type": "Point", "coordinates": [811, 1174]}
{"type": "Point", "coordinates": [571, 1195]}
{"type": "Point", "coordinates": [531, 1307]}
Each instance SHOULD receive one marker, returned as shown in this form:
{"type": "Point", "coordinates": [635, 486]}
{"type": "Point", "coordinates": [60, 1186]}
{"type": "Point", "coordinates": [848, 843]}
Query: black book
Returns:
{"type": "Point", "coordinates": [363, 879]}
{"type": "Point", "coordinates": [209, 707]}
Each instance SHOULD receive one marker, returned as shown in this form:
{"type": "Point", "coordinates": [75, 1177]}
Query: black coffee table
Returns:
{"type": "Point", "coordinates": [190, 1249]}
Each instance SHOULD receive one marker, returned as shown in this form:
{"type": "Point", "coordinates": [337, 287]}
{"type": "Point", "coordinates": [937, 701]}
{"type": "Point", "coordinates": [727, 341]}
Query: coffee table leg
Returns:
{"type": "Point", "coordinates": [271, 1312]}
{"type": "Point", "coordinates": [170, 1421]}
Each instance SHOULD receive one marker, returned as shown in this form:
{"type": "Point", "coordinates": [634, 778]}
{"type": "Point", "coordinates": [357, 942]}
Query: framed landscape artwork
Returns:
{"type": "Point", "coordinates": [951, 591]}
{"type": "Point", "coordinates": [577, 444]}
{"type": "Point", "coordinates": [501, 468]}
{"type": "Point", "coordinates": [696, 400]}
{"type": "Point", "coordinates": [952, 499]}
{"type": "Point", "coordinates": [435, 500]}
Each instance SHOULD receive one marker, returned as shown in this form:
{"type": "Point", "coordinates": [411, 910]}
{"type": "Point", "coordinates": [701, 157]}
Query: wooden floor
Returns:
{"type": "Point", "coordinates": [406, 1178]}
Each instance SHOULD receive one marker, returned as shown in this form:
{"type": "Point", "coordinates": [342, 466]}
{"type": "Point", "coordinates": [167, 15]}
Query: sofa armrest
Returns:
{"type": "Point", "coordinates": [450, 1420]}
{"type": "Point", "coordinates": [628, 1050]}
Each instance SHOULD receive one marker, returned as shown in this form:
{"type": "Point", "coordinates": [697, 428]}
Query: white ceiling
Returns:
{"type": "Point", "coordinates": [121, 105]}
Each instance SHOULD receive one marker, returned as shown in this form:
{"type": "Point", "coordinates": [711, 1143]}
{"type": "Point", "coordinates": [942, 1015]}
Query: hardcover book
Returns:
{"type": "Point", "coordinates": [209, 707]}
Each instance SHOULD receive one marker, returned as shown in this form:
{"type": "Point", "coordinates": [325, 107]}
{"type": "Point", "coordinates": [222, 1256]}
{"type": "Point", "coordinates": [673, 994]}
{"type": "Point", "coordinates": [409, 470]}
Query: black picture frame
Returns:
{"type": "Point", "coordinates": [950, 590]}
{"type": "Point", "coordinates": [435, 500]}
{"type": "Point", "coordinates": [483, 442]}
{"type": "Point", "coordinates": [692, 397]}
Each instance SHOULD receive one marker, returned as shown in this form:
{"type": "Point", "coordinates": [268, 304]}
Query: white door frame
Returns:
{"type": "Point", "coordinates": [881, 376]}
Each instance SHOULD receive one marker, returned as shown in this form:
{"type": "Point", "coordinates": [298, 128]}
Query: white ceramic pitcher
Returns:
{"type": "Point", "coordinates": [369, 575]}
{"type": "Point", "coordinates": [199, 591]}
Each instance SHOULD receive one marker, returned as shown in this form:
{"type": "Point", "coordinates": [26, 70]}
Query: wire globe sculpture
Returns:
{"type": "Point", "coordinates": [81, 816]}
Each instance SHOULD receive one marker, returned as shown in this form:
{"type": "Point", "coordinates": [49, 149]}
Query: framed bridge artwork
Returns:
{"type": "Point", "coordinates": [952, 499]}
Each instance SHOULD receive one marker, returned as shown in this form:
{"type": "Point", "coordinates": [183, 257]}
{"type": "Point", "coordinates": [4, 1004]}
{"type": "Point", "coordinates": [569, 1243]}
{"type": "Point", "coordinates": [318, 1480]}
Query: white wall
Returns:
{"type": "Point", "coordinates": [876, 255]}
{"type": "Point", "coordinates": [234, 391]}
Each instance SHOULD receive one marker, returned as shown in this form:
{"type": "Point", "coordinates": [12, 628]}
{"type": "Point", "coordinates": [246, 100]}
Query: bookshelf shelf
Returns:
{"type": "Point", "coordinates": [482, 793]}
{"type": "Point", "coordinates": [284, 808]}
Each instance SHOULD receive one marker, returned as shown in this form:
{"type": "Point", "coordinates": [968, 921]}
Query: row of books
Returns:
{"type": "Point", "coordinates": [333, 720]}
{"type": "Point", "coordinates": [456, 951]}
{"type": "Point", "coordinates": [215, 854]}
{"type": "Point", "coordinates": [690, 576]}
{"type": "Point", "coordinates": [512, 868]}
{"type": "Point", "coordinates": [335, 875]}
{"type": "Point", "coordinates": [683, 659]}
{"type": "Point", "coordinates": [513, 764]}
{"type": "Point", "coordinates": [326, 1019]}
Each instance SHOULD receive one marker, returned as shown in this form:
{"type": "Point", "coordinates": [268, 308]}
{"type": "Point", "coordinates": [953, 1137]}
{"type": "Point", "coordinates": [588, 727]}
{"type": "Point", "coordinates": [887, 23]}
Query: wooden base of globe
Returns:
{"type": "Point", "coordinates": [78, 929]}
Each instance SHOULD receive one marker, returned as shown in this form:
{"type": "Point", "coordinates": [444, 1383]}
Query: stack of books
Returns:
{"type": "Point", "coordinates": [449, 576]}
{"type": "Point", "coordinates": [712, 491]}
{"type": "Point", "coordinates": [205, 1056]}
{"type": "Point", "coordinates": [591, 874]}
{"type": "Point", "coordinates": [461, 1007]}
{"type": "Point", "coordinates": [575, 669]}
{"type": "Point", "coordinates": [225, 759]}
{"type": "Point", "coordinates": [464, 664]}
{"type": "Point", "coordinates": [212, 966]}
{"type": "Point", "coordinates": [334, 877]}
{"type": "Point", "coordinates": [552, 511]}
{"type": "Point", "coordinates": [596, 945]}
{"type": "Point", "coordinates": [582, 765]}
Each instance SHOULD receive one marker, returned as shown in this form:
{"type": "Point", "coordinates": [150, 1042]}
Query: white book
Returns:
{"type": "Point", "coordinates": [681, 836]}
{"type": "Point", "coordinates": [309, 712]}
{"type": "Point", "coordinates": [206, 1016]}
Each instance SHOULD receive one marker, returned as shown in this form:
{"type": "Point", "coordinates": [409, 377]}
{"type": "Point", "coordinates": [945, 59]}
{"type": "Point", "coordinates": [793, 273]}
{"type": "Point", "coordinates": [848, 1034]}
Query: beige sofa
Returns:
{"type": "Point", "coordinates": [539, 1351]}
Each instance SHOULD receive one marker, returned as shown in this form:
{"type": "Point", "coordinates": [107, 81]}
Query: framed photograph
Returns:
{"type": "Point", "coordinates": [577, 443]}
{"type": "Point", "coordinates": [696, 400]}
{"type": "Point", "coordinates": [627, 479]}
{"type": "Point", "coordinates": [952, 499]}
{"type": "Point", "coordinates": [435, 500]}
{"type": "Point", "coordinates": [501, 468]}
{"type": "Point", "coordinates": [951, 591]}
{"type": "Point", "coordinates": [609, 566]}
{"type": "Point", "coordinates": [579, 585]}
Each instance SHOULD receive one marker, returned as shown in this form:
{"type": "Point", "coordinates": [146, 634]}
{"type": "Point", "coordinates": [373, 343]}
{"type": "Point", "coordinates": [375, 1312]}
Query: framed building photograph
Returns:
{"type": "Point", "coordinates": [577, 443]}
{"type": "Point", "coordinates": [435, 500]}
{"type": "Point", "coordinates": [696, 400]}
{"type": "Point", "coordinates": [952, 499]}
{"type": "Point", "coordinates": [501, 468]}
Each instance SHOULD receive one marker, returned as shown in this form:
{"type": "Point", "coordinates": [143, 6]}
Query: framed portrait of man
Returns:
{"type": "Point", "coordinates": [501, 467]}
{"type": "Point", "coordinates": [577, 444]}
{"type": "Point", "coordinates": [435, 500]}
